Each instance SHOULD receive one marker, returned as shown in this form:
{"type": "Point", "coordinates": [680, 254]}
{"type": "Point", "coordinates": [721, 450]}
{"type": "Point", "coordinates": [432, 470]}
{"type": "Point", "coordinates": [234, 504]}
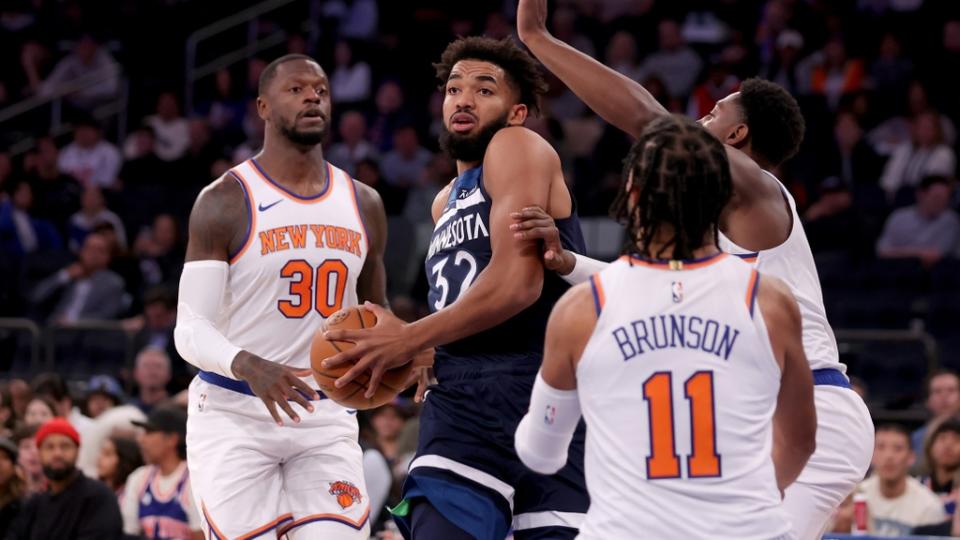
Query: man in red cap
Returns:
{"type": "Point", "coordinates": [74, 507]}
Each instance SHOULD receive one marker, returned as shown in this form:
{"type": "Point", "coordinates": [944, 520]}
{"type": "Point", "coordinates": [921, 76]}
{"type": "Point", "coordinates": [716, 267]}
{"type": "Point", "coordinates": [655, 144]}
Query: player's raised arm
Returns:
{"type": "Point", "coordinates": [619, 100]}
{"type": "Point", "coordinates": [218, 226]}
{"type": "Point", "coordinates": [540, 443]}
{"type": "Point", "coordinates": [795, 420]}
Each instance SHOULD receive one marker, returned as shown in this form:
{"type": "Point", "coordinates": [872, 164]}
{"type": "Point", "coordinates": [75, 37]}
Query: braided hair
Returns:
{"type": "Point", "coordinates": [677, 174]}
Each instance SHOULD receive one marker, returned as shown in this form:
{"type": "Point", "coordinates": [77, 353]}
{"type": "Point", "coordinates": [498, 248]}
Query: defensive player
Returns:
{"type": "Point", "coordinates": [277, 244]}
{"type": "Point", "coordinates": [491, 301]}
{"type": "Point", "coordinates": [761, 127]}
{"type": "Point", "coordinates": [678, 355]}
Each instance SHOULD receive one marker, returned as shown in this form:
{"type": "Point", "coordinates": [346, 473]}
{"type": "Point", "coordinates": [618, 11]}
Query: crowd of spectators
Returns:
{"type": "Point", "coordinates": [93, 220]}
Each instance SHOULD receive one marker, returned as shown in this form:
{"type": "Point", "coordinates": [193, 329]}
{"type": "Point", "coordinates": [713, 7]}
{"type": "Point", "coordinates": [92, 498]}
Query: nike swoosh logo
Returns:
{"type": "Point", "coordinates": [269, 206]}
{"type": "Point", "coordinates": [351, 411]}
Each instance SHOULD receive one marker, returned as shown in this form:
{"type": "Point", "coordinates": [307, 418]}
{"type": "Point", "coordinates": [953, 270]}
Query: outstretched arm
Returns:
{"type": "Point", "coordinates": [619, 100]}
{"type": "Point", "coordinates": [533, 223]}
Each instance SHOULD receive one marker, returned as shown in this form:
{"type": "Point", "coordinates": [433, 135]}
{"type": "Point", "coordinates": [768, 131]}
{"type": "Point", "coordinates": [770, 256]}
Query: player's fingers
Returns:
{"type": "Point", "coordinates": [351, 373]}
{"type": "Point", "coordinates": [341, 358]}
{"type": "Point", "coordinates": [299, 396]}
{"type": "Point", "coordinates": [272, 407]}
{"type": "Point", "coordinates": [343, 334]}
{"type": "Point", "coordinates": [377, 310]}
{"type": "Point", "coordinates": [532, 224]}
{"type": "Point", "coordinates": [304, 389]}
{"type": "Point", "coordinates": [529, 212]}
{"type": "Point", "coordinates": [422, 383]}
{"type": "Point", "coordinates": [374, 381]}
{"type": "Point", "coordinates": [285, 405]}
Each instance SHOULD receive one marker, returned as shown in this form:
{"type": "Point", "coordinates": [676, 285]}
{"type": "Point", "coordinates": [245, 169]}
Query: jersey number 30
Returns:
{"type": "Point", "coordinates": [663, 462]}
{"type": "Point", "coordinates": [321, 290]}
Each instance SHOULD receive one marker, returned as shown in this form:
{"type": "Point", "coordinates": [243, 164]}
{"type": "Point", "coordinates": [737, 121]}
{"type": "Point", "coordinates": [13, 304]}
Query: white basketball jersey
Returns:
{"type": "Point", "coordinates": [678, 385]}
{"type": "Point", "coordinates": [792, 261]}
{"type": "Point", "coordinates": [298, 266]}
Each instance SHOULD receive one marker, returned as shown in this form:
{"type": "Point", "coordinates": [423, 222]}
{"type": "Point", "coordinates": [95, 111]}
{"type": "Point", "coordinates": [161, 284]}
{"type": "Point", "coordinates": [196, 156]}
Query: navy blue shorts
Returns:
{"type": "Point", "coordinates": [466, 466]}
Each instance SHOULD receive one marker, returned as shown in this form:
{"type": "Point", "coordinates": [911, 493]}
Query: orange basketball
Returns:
{"type": "Point", "coordinates": [352, 395]}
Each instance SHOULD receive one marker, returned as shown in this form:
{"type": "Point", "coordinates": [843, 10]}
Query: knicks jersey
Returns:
{"type": "Point", "coordinates": [678, 386]}
{"type": "Point", "coordinates": [460, 250]}
{"type": "Point", "coordinates": [162, 515]}
{"type": "Point", "coordinates": [298, 266]}
{"type": "Point", "coordinates": [792, 261]}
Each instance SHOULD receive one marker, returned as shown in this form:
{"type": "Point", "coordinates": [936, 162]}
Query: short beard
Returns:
{"type": "Point", "coordinates": [471, 148]}
{"type": "Point", "coordinates": [301, 138]}
{"type": "Point", "coordinates": [59, 474]}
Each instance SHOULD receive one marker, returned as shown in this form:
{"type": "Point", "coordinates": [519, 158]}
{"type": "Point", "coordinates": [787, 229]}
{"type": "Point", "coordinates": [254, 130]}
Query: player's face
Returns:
{"type": "Point", "coordinates": [892, 455]}
{"type": "Point", "coordinates": [725, 121]}
{"type": "Point", "coordinates": [297, 102]}
{"type": "Point", "coordinates": [478, 101]}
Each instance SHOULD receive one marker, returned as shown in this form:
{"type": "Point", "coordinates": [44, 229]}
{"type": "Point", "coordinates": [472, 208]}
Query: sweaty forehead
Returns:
{"type": "Point", "coordinates": [729, 100]}
{"type": "Point", "coordinates": [474, 69]}
{"type": "Point", "coordinates": [300, 69]}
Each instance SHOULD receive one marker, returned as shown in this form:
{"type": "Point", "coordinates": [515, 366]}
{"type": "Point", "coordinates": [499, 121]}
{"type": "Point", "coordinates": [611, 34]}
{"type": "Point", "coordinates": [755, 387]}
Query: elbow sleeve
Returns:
{"type": "Point", "coordinates": [545, 432]}
{"type": "Point", "coordinates": [198, 341]}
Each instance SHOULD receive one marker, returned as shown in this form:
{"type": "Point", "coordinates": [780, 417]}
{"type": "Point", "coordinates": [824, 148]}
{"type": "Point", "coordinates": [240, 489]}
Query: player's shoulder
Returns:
{"type": "Point", "coordinates": [578, 302]}
{"type": "Point", "coordinates": [224, 189]}
{"type": "Point", "coordinates": [522, 142]}
{"type": "Point", "coordinates": [777, 303]}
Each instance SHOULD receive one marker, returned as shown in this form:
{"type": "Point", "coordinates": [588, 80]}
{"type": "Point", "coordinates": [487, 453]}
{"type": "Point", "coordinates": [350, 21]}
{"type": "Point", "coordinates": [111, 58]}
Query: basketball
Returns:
{"type": "Point", "coordinates": [352, 395]}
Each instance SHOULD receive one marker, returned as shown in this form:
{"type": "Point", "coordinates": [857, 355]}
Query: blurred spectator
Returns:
{"type": "Point", "coordinates": [158, 501]}
{"type": "Point", "coordinates": [564, 27]}
{"type": "Point", "coordinates": [122, 262]}
{"type": "Point", "coordinates": [20, 394]}
{"type": "Point", "coordinates": [782, 67]}
{"type": "Point", "coordinates": [837, 75]}
{"type": "Point", "coordinates": [84, 508]}
{"type": "Point", "coordinates": [896, 130]}
{"type": "Point", "coordinates": [851, 158]}
{"type": "Point", "coordinates": [119, 456]}
{"type": "Point", "coordinates": [94, 63]}
{"type": "Point", "coordinates": [351, 80]}
{"type": "Point", "coordinates": [20, 232]}
{"type": "Point", "coordinates": [56, 196]}
{"type": "Point", "coordinates": [831, 222]}
{"type": "Point", "coordinates": [103, 394]}
{"type": "Point", "coordinates": [890, 73]}
{"type": "Point", "coordinates": [93, 211]}
{"type": "Point", "coordinates": [225, 110]}
{"type": "Point", "coordinates": [719, 84]}
{"type": "Point", "coordinates": [152, 375]}
{"type": "Point", "coordinates": [404, 165]}
{"type": "Point", "coordinates": [53, 387]}
{"type": "Point", "coordinates": [928, 230]}
{"type": "Point", "coordinates": [160, 251]}
{"type": "Point", "coordinates": [29, 459]}
{"type": "Point", "coordinates": [114, 422]}
{"type": "Point", "coordinates": [942, 460]}
{"type": "Point", "coordinates": [621, 55]}
{"type": "Point", "coordinates": [8, 419]}
{"type": "Point", "coordinates": [6, 169]}
{"type": "Point", "coordinates": [353, 147]}
{"type": "Point", "coordinates": [897, 502]}
{"type": "Point", "coordinates": [171, 128]}
{"type": "Point", "coordinates": [941, 65]}
{"type": "Point", "coordinates": [154, 329]}
{"type": "Point", "coordinates": [89, 158]}
{"type": "Point", "coordinates": [253, 128]}
{"type": "Point", "coordinates": [368, 172]}
{"type": "Point", "coordinates": [12, 489]}
{"type": "Point", "coordinates": [39, 411]}
{"type": "Point", "coordinates": [384, 467]}
{"type": "Point", "coordinates": [143, 166]}
{"type": "Point", "coordinates": [357, 18]}
{"type": "Point", "coordinates": [943, 401]}
{"type": "Point", "coordinates": [202, 151]}
{"type": "Point", "coordinates": [675, 63]}
{"type": "Point", "coordinates": [951, 527]}
{"type": "Point", "coordinates": [89, 289]}
{"type": "Point", "coordinates": [925, 155]}
{"type": "Point", "coordinates": [419, 200]}
{"type": "Point", "coordinates": [389, 115]}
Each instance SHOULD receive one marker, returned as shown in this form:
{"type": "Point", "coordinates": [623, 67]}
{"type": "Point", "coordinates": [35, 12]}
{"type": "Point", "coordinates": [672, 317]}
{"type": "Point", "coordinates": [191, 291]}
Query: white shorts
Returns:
{"type": "Point", "coordinates": [252, 478]}
{"type": "Point", "coordinates": [843, 454]}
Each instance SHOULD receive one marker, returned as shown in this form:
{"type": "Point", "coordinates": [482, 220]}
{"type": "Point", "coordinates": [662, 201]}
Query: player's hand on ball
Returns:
{"type": "Point", "coordinates": [534, 223]}
{"type": "Point", "coordinates": [377, 349]}
{"type": "Point", "coordinates": [531, 18]}
{"type": "Point", "coordinates": [275, 384]}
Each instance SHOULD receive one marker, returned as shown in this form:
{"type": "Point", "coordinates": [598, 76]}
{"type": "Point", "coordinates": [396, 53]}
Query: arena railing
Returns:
{"type": "Point", "coordinates": [9, 327]}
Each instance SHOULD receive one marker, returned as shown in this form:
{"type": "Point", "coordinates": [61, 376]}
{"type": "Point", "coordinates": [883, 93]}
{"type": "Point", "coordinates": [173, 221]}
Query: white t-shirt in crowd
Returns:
{"type": "Point", "coordinates": [898, 516]}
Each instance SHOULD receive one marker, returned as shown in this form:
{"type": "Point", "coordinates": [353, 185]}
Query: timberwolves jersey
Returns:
{"type": "Point", "coordinates": [460, 249]}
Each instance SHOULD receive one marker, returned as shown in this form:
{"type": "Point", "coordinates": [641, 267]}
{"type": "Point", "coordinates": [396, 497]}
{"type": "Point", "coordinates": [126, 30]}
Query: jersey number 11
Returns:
{"type": "Point", "coordinates": [663, 462]}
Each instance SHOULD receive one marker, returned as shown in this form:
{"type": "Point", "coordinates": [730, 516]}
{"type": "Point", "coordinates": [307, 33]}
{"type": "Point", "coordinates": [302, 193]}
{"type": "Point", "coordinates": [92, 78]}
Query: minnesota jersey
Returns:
{"type": "Point", "coordinates": [792, 261]}
{"type": "Point", "coordinates": [298, 266]}
{"type": "Point", "coordinates": [678, 386]}
{"type": "Point", "coordinates": [460, 250]}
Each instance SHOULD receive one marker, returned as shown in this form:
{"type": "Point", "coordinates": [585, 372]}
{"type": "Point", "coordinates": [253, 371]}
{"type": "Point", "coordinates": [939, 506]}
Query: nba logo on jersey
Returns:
{"type": "Point", "coordinates": [550, 416]}
{"type": "Point", "coordinates": [676, 288]}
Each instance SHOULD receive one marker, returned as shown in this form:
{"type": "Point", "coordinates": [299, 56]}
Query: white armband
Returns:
{"type": "Point", "coordinates": [202, 287]}
{"type": "Point", "coordinates": [545, 432]}
{"type": "Point", "coordinates": [583, 269]}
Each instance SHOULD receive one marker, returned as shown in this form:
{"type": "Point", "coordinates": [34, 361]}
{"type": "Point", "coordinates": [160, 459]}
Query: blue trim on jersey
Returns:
{"type": "Point", "coordinates": [290, 193]}
{"type": "Point", "coordinates": [746, 255]}
{"type": "Point", "coordinates": [246, 200]}
{"type": "Point", "coordinates": [239, 386]}
{"type": "Point", "coordinates": [596, 295]}
{"type": "Point", "coordinates": [753, 293]}
{"type": "Point", "coordinates": [830, 377]}
{"type": "Point", "coordinates": [465, 183]}
{"type": "Point", "coordinates": [469, 509]}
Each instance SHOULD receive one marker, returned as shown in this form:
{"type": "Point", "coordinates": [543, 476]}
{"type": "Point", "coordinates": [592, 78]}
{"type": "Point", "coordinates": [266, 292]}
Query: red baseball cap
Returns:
{"type": "Point", "coordinates": [57, 426]}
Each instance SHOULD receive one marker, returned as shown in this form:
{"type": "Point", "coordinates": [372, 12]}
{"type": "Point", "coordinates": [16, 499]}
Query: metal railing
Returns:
{"type": "Point", "coordinates": [48, 348]}
{"type": "Point", "coordinates": [116, 107]}
{"type": "Point", "coordinates": [253, 45]}
{"type": "Point", "coordinates": [917, 334]}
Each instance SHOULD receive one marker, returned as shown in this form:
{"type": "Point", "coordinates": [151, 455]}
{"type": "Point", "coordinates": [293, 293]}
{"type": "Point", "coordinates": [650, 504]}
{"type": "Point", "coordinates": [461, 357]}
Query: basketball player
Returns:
{"type": "Point", "coordinates": [277, 244]}
{"type": "Point", "coordinates": [674, 326]}
{"type": "Point", "coordinates": [491, 301]}
{"type": "Point", "coordinates": [761, 127]}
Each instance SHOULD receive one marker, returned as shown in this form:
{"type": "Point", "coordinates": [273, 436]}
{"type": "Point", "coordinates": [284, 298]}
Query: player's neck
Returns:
{"type": "Point", "coordinates": [464, 166]}
{"type": "Point", "coordinates": [661, 244]}
{"type": "Point", "coordinates": [891, 489]}
{"type": "Point", "coordinates": [291, 166]}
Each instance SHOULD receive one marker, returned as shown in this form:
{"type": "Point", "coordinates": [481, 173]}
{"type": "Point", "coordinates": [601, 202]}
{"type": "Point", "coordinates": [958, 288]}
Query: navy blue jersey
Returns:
{"type": "Point", "coordinates": [460, 249]}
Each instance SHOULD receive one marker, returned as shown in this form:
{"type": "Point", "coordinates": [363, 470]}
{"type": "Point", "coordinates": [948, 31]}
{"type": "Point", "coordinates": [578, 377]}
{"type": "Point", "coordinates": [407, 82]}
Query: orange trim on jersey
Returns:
{"type": "Point", "coordinates": [289, 194]}
{"type": "Point", "coordinates": [251, 213]}
{"type": "Point", "coordinates": [752, 290]}
{"type": "Point", "coordinates": [260, 530]}
{"type": "Point", "coordinates": [213, 526]}
{"type": "Point", "coordinates": [598, 297]}
{"type": "Point", "coordinates": [358, 524]}
{"type": "Point", "coordinates": [356, 206]}
{"type": "Point", "coordinates": [675, 264]}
